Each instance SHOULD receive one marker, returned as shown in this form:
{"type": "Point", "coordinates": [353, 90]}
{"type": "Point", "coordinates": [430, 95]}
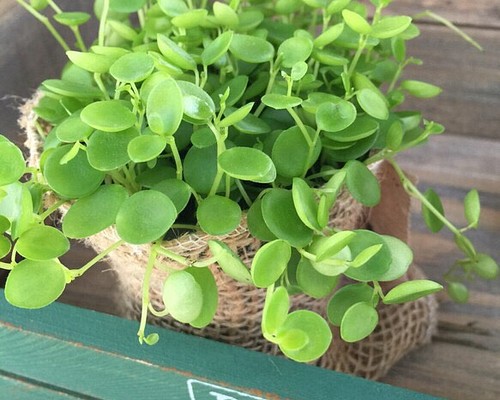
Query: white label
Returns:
{"type": "Point", "coordinates": [199, 390]}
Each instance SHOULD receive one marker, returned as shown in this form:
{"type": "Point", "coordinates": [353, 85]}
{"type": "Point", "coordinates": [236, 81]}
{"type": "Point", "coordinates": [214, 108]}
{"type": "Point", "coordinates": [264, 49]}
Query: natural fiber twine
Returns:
{"type": "Point", "coordinates": [401, 328]}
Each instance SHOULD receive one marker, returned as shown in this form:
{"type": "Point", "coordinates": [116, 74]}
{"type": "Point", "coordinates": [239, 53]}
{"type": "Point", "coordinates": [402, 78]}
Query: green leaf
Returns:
{"type": "Point", "coordinates": [4, 224]}
{"type": "Point", "coordinates": [458, 292]}
{"type": "Point", "coordinates": [198, 105]}
{"type": "Point", "coordinates": [362, 127]}
{"type": "Point", "coordinates": [73, 129]}
{"type": "Point", "coordinates": [282, 220]}
{"type": "Point", "coordinates": [216, 49]}
{"type": "Point", "coordinates": [225, 15]}
{"type": "Point", "coordinates": [175, 54]}
{"type": "Point", "coordinates": [270, 262]}
{"type": "Point", "coordinates": [126, 6]}
{"type": "Point", "coordinates": [251, 49]}
{"type": "Point", "coordinates": [275, 311]}
{"type": "Point", "coordinates": [359, 321]}
{"type": "Point", "coordinates": [182, 296]}
{"type": "Point", "coordinates": [42, 243]}
{"type": "Point", "coordinates": [299, 70]}
{"type": "Point", "coordinates": [356, 22]}
{"type": "Point", "coordinates": [146, 147]}
{"type": "Point", "coordinates": [190, 19]}
{"type": "Point", "coordinates": [394, 136]}
{"type": "Point", "coordinates": [12, 164]}
{"type": "Point", "coordinates": [172, 8]}
{"type": "Point", "coordinates": [107, 151]}
{"type": "Point", "coordinates": [39, 5]}
{"type": "Point", "coordinates": [200, 169]}
{"type": "Point", "coordinates": [145, 216]}
{"type": "Point", "coordinates": [71, 89]}
{"type": "Point", "coordinates": [218, 215]}
{"type": "Point", "coordinates": [472, 208]}
{"type": "Point", "coordinates": [433, 223]}
{"type": "Point", "coordinates": [411, 290]}
{"type": "Point", "coordinates": [485, 267]}
{"type": "Point", "coordinates": [420, 89]}
{"type": "Point", "coordinates": [108, 116]}
{"type": "Point", "coordinates": [229, 261]}
{"type": "Point", "coordinates": [345, 298]}
{"type": "Point", "coordinates": [74, 179]}
{"type": "Point", "coordinates": [401, 256]}
{"type": "Point", "coordinates": [252, 125]}
{"type": "Point", "coordinates": [281, 101]}
{"type": "Point", "coordinates": [329, 35]}
{"type": "Point", "coordinates": [132, 67]}
{"type": "Point", "coordinates": [362, 184]}
{"type": "Point", "coordinates": [247, 163]}
{"type": "Point", "coordinates": [236, 116]}
{"type": "Point", "coordinates": [329, 246]}
{"type": "Point", "coordinates": [305, 203]}
{"type": "Point", "coordinates": [205, 279]}
{"type": "Point", "coordinates": [389, 27]}
{"type": "Point", "coordinates": [177, 190]}
{"type": "Point", "coordinates": [256, 224]}
{"type": "Point", "coordinates": [335, 116]}
{"type": "Point", "coordinates": [236, 86]}
{"type": "Point", "coordinates": [5, 246]}
{"type": "Point", "coordinates": [92, 214]}
{"type": "Point", "coordinates": [165, 107]}
{"type": "Point", "coordinates": [372, 103]}
{"type": "Point", "coordinates": [336, 6]}
{"type": "Point", "coordinates": [366, 255]}
{"type": "Point", "coordinates": [314, 327]}
{"type": "Point", "coordinates": [377, 265]}
{"type": "Point", "coordinates": [97, 63]}
{"type": "Point", "coordinates": [123, 30]}
{"type": "Point", "coordinates": [72, 18]}
{"type": "Point", "coordinates": [312, 282]}
{"type": "Point", "coordinates": [17, 206]}
{"type": "Point", "coordinates": [294, 50]}
{"type": "Point", "coordinates": [35, 284]}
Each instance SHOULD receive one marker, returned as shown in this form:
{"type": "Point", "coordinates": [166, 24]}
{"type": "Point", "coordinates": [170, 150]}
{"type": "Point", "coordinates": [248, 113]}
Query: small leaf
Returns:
{"type": "Point", "coordinates": [411, 290]}
{"type": "Point", "coordinates": [335, 116]}
{"type": "Point", "coordinates": [218, 215]}
{"type": "Point", "coordinates": [132, 67]}
{"type": "Point", "coordinates": [390, 26]}
{"type": "Point", "coordinates": [356, 22]}
{"type": "Point", "coordinates": [270, 262]}
{"type": "Point", "coordinates": [151, 339]}
{"type": "Point", "coordinates": [145, 216]}
{"type": "Point", "coordinates": [5, 246]}
{"type": "Point", "coordinates": [108, 116]}
{"type": "Point", "coordinates": [205, 279]}
{"type": "Point", "coordinates": [126, 6]}
{"type": "Point", "coordinates": [216, 49]}
{"type": "Point", "coordinates": [299, 69]}
{"type": "Point", "coordinates": [247, 163]}
{"type": "Point", "coordinates": [472, 207]}
{"type": "Point", "coordinates": [362, 184]}
{"type": "Point", "coordinates": [275, 312]}
{"type": "Point", "coordinates": [346, 297]}
{"type": "Point", "coordinates": [431, 220]}
{"type": "Point", "coordinates": [12, 164]}
{"type": "Point", "coordinates": [251, 49]}
{"type": "Point", "coordinates": [372, 103]}
{"type": "Point", "coordinates": [42, 243]}
{"type": "Point", "coordinates": [394, 136]}
{"type": "Point", "coordinates": [182, 296]}
{"type": "Point", "coordinates": [331, 245]}
{"type": "Point", "coordinates": [420, 89]}
{"type": "Point", "coordinates": [97, 63]}
{"type": "Point", "coordinates": [225, 15]}
{"type": "Point", "coordinates": [72, 18]}
{"type": "Point", "coordinates": [305, 203]}
{"type": "Point", "coordinates": [198, 105]}
{"type": "Point", "coordinates": [366, 255]}
{"type": "Point", "coordinates": [401, 256]}
{"type": "Point", "coordinates": [485, 267]}
{"type": "Point", "coordinates": [175, 54]}
{"type": "Point", "coordinates": [329, 35]}
{"type": "Point", "coordinates": [281, 101]}
{"type": "Point", "coordinates": [362, 127]}
{"type": "Point", "coordinates": [146, 147]}
{"type": "Point", "coordinates": [190, 19]}
{"type": "Point", "coordinates": [35, 284]}
{"type": "Point", "coordinates": [312, 282]}
{"type": "Point", "coordinates": [458, 292]}
{"type": "Point", "coordinates": [107, 151]}
{"type": "Point", "coordinates": [294, 50]}
{"type": "Point", "coordinates": [359, 321]}
{"type": "Point", "coordinates": [73, 129]}
{"type": "Point", "coordinates": [256, 224]}
{"type": "Point", "coordinates": [229, 261]}
{"type": "Point", "coordinates": [177, 190]}
{"type": "Point", "coordinates": [4, 223]}
{"type": "Point", "coordinates": [165, 108]}
{"type": "Point", "coordinates": [236, 116]}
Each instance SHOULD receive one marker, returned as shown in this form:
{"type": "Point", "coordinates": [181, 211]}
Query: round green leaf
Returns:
{"type": "Point", "coordinates": [165, 107]}
{"type": "Point", "coordinates": [346, 297]}
{"type": "Point", "coordinates": [225, 15]}
{"type": "Point", "coordinates": [200, 169]}
{"type": "Point", "coordinates": [92, 62]}
{"type": "Point", "coordinates": [126, 6]}
{"type": "Point", "coordinates": [108, 116]}
{"type": "Point", "coordinates": [282, 220]}
{"type": "Point", "coordinates": [123, 30]}
{"type": "Point", "coordinates": [312, 282]}
{"type": "Point", "coordinates": [389, 27]}
{"type": "Point", "coordinates": [72, 18]}
{"type": "Point", "coordinates": [247, 163]}
{"type": "Point", "coordinates": [401, 256]}
{"type": "Point", "coordinates": [362, 184]}
{"type": "Point", "coordinates": [378, 265]}
{"type": "Point", "coordinates": [251, 49]}
{"type": "Point", "coordinates": [372, 104]}
{"type": "Point", "coordinates": [216, 49]}
{"type": "Point", "coordinates": [433, 223]}
{"type": "Point", "coordinates": [190, 19]}
{"type": "Point", "coordinates": [356, 22]}
{"type": "Point", "coordinates": [290, 152]}
{"type": "Point", "coordinates": [132, 67]}
{"type": "Point", "coordinates": [177, 190]}
{"type": "Point", "coordinates": [270, 262]}
{"type": "Point", "coordinates": [334, 117]}
{"type": "Point", "coordinates": [182, 296]}
{"type": "Point", "coordinates": [145, 216]}
{"type": "Point", "coordinates": [359, 321]}
{"type": "Point", "coordinates": [256, 224]}
{"type": "Point", "coordinates": [305, 203]}
{"type": "Point", "coordinates": [42, 243]}
{"type": "Point", "coordinates": [12, 164]}
{"type": "Point", "coordinates": [294, 50]}
{"type": "Point", "coordinates": [458, 292]}
{"type": "Point", "coordinates": [5, 246]}
{"type": "Point", "coordinates": [236, 115]}
{"type": "Point", "coordinates": [35, 284]}
{"type": "Point", "coordinates": [362, 127]}
{"type": "Point", "coordinates": [4, 224]}
{"type": "Point", "coordinates": [354, 151]}
{"type": "Point", "coordinates": [485, 267]}
{"type": "Point", "coordinates": [206, 281]}
{"type": "Point", "coordinates": [275, 312]}
{"type": "Point", "coordinates": [92, 214]}
{"type": "Point", "coordinates": [107, 151]}
{"type": "Point", "coordinates": [334, 265]}
{"type": "Point", "coordinates": [420, 89]}
{"type": "Point", "coordinates": [329, 35]}
{"type": "Point", "coordinates": [315, 328]}
{"type": "Point", "coordinates": [236, 86]}
{"type": "Point", "coordinates": [472, 207]}
{"type": "Point", "coordinates": [252, 125]}
{"type": "Point", "coordinates": [175, 54]}
{"type": "Point", "coordinates": [281, 101]}
{"type": "Point", "coordinates": [411, 290]}
{"type": "Point", "coordinates": [198, 105]}
{"type": "Point", "coordinates": [218, 215]}
{"type": "Point", "coordinates": [73, 129]}
{"type": "Point", "coordinates": [229, 261]}
{"type": "Point", "coordinates": [72, 89]}
{"type": "Point", "coordinates": [146, 147]}
{"type": "Point", "coordinates": [74, 179]}
{"type": "Point", "coordinates": [327, 247]}
{"type": "Point", "coordinates": [16, 205]}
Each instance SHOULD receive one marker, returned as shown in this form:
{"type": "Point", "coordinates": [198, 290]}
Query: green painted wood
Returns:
{"type": "Point", "coordinates": [14, 389]}
{"type": "Point", "coordinates": [70, 350]}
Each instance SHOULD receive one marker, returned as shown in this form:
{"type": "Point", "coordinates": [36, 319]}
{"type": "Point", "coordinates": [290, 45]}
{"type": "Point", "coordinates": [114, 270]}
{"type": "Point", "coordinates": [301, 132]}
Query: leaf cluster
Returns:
{"type": "Point", "coordinates": [191, 115]}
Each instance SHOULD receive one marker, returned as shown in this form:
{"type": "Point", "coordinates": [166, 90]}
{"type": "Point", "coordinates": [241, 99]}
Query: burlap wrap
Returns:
{"type": "Point", "coordinates": [401, 327]}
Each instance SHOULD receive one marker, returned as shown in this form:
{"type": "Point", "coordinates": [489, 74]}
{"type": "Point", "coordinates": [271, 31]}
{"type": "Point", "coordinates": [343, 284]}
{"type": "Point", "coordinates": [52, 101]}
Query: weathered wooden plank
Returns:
{"type": "Point", "coordinates": [15, 389]}
{"type": "Point", "coordinates": [97, 356]}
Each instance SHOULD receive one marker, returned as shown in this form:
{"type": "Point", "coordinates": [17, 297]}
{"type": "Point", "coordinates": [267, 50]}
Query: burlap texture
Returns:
{"type": "Point", "coordinates": [401, 328]}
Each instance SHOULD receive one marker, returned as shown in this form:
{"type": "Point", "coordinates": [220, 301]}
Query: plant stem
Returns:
{"type": "Point", "coordinates": [362, 43]}
{"type": "Point", "coordinates": [157, 313]}
{"type": "Point", "coordinates": [102, 23]}
{"type": "Point", "coordinates": [145, 293]}
{"type": "Point", "coordinates": [51, 209]}
{"type": "Point", "coordinates": [170, 254]}
{"type": "Point", "coordinates": [177, 157]}
{"type": "Point", "coordinates": [301, 125]}
{"type": "Point", "coordinates": [221, 146]}
{"type": "Point", "coordinates": [243, 192]}
{"type": "Point", "coordinates": [100, 84]}
{"type": "Point", "coordinates": [80, 271]}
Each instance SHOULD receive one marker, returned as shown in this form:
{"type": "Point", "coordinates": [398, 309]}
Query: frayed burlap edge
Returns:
{"type": "Point", "coordinates": [401, 328]}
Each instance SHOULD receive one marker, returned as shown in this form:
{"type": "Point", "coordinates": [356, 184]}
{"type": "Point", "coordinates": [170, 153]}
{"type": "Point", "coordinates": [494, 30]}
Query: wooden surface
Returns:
{"type": "Point", "coordinates": [66, 352]}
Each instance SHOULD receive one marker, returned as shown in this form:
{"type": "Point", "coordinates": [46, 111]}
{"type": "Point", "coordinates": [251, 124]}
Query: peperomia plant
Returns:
{"type": "Point", "coordinates": [191, 115]}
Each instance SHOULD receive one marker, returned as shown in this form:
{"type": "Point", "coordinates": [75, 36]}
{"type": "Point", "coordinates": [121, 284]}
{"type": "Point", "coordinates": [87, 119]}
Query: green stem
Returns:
{"type": "Point", "coordinates": [272, 77]}
{"type": "Point", "coordinates": [5, 266]}
{"type": "Point", "coordinates": [51, 209]}
{"type": "Point", "coordinates": [177, 157]}
{"type": "Point", "coordinates": [79, 40]}
{"type": "Point", "coordinates": [80, 271]}
{"type": "Point", "coordinates": [301, 126]}
{"type": "Point", "coordinates": [102, 23]}
{"type": "Point", "coordinates": [243, 192]}
{"type": "Point", "coordinates": [205, 263]}
{"type": "Point", "coordinates": [157, 313]}
{"type": "Point", "coordinates": [173, 256]}
{"type": "Point", "coordinates": [100, 84]}
{"type": "Point", "coordinates": [362, 43]}
{"type": "Point", "coordinates": [221, 146]}
{"type": "Point", "coordinates": [145, 293]}
{"type": "Point", "coordinates": [185, 226]}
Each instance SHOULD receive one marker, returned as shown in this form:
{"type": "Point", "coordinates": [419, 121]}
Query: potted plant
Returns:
{"type": "Point", "coordinates": [202, 136]}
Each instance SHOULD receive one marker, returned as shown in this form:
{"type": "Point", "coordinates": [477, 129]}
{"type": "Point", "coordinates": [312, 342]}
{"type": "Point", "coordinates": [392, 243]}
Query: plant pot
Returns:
{"type": "Point", "coordinates": [401, 328]}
